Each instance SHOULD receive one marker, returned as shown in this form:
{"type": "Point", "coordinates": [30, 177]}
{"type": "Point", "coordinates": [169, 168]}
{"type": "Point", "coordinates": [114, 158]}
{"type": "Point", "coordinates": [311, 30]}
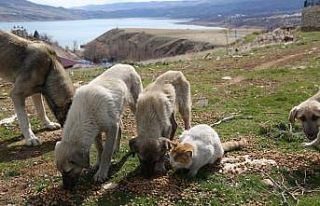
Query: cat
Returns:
{"type": "Point", "coordinates": [198, 147]}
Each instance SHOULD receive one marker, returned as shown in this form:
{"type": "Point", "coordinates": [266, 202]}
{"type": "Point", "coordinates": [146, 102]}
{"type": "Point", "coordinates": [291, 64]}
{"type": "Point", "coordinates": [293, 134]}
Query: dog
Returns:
{"type": "Point", "coordinates": [96, 108]}
{"type": "Point", "coordinates": [155, 119]}
{"type": "Point", "coordinates": [34, 70]}
{"type": "Point", "coordinates": [308, 112]}
{"type": "Point", "coordinates": [155, 109]}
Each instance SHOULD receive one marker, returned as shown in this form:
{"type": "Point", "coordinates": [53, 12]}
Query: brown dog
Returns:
{"type": "Point", "coordinates": [308, 112]}
{"type": "Point", "coordinates": [34, 70]}
{"type": "Point", "coordinates": [156, 108]}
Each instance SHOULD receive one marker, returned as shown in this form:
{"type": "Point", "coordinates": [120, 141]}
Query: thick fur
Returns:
{"type": "Point", "coordinates": [155, 118]}
{"type": "Point", "coordinates": [198, 147]}
{"type": "Point", "coordinates": [33, 68]}
{"type": "Point", "coordinates": [131, 78]}
{"type": "Point", "coordinates": [182, 91]}
{"type": "Point", "coordinates": [154, 111]}
{"type": "Point", "coordinates": [97, 107]}
{"type": "Point", "coordinates": [308, 112]}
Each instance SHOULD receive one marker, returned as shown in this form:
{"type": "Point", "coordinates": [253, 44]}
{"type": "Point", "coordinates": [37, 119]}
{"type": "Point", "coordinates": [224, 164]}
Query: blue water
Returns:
{"type": "Point", "coordinates": [83, 31]}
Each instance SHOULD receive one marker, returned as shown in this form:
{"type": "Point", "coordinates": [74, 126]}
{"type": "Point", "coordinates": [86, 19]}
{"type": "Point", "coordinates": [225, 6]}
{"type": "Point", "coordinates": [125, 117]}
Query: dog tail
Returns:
{"type": "Point", "coordinates": [234, 145]}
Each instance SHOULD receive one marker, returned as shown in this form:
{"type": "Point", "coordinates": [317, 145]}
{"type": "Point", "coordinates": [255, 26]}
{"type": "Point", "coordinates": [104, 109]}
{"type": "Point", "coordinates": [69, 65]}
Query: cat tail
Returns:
{"type": "Point", "coordinates": [234, 145]}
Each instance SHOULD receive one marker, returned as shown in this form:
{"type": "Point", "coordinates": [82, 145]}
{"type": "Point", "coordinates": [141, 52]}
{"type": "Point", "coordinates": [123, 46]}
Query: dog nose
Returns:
{"type": "Point", "coordinates": [147, 170]}
{"type": "Point", "coordinates": [311, 135]}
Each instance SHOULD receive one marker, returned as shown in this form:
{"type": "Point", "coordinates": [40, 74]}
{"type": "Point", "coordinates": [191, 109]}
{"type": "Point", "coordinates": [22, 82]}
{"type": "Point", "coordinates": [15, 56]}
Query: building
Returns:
{"type": "Point", "coordinates": [311, 15]}
{"type": "Point", "coordinates": [308, 3]}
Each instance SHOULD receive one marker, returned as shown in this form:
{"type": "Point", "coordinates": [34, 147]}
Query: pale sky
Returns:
{"type": "Point", "coordinates": [73, 3]}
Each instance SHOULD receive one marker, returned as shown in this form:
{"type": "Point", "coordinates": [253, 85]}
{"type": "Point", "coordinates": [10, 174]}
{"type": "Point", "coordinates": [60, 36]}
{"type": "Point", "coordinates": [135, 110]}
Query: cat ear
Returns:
{"type": "Point", "coordinates": [189, 153]}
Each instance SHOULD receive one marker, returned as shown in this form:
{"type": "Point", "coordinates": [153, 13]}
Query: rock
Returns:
{"type": "Point", "coordinates": [110, 186]}
{"type": "Point", "coordinates": [227, 78]}
{"type": "Point", "coordinates": [201, 103]}
{"type": "Point", "coordinates": [268, 182]}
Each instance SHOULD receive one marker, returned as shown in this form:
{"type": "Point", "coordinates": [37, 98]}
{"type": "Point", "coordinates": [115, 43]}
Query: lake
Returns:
{"type": "Point", "coordinates": [83, 31]}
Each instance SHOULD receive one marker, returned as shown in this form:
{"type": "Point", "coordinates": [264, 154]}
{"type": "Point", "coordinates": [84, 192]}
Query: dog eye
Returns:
{"type": "Point", "coordinates": [303, 118]}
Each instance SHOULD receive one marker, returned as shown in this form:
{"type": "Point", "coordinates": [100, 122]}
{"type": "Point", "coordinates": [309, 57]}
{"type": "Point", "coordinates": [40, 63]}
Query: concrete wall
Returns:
{"type": "Point", "coordinates": [311, 18]}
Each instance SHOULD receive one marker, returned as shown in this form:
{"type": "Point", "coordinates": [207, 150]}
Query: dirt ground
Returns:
{"type": "Point", "coordinates": [29, 176]}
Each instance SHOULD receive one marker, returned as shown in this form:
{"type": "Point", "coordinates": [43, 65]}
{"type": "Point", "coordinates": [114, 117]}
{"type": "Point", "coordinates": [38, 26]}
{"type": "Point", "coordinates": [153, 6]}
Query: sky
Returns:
{"type": "Point", "coordinates": [74, 3]}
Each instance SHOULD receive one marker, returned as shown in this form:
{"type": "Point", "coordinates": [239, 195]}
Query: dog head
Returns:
{"type": "Point", "coordinates": [70, 161]}
{"type": "Point", "coordinates": [150, 151]}
{"type": "Point", "coordinates": [308, 113]}
{"type": "Point", "coordinates": [61, 112]}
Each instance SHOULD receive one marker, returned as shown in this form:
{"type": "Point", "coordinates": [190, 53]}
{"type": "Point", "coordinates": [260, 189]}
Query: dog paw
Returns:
{"type": "Point", "coordinates": [33, 142]}
{"type": "Point", "coordinates": [100, 176]}
{"type": "Point", "coordinates": [306, 145]}
{"type": "Point", "coordinates": [52, 126]}
{"type": "Point", "coordinates": [192, 173]}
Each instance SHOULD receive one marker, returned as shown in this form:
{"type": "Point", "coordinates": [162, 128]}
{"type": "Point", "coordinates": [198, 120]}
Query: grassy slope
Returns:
{"type": "Point", "coordinates": [265, 95]}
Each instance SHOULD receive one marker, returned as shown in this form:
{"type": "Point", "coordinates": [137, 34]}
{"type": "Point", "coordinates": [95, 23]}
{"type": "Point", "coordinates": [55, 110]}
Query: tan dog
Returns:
{"type": "Point", "coordinates": [308, 112]}
{"type": "Point", "coordinates": [155, 118]}
{"type": "Point", "coordinates": [34, 69]}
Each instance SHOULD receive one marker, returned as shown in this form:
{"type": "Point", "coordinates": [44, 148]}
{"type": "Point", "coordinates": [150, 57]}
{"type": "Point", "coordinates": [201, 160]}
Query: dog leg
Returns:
{"type": "Point", "coordinates": [98, 143]}
{"type": "Point", "coordinates": [19, 107]}
{"type": "Point", "coordinates": [117, 143]}
{"type": "Point", "coordinates": [102, 173]}
{"type": "Point", "coordinates": [38, 103]}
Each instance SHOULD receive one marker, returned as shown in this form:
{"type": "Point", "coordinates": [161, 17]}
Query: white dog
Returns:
{"type": "Point", "coordinates": [97, 107]}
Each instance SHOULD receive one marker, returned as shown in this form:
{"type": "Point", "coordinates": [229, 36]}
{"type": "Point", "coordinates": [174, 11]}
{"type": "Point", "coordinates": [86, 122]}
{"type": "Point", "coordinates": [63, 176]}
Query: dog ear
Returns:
{"type": "Point", "coordinates": [166, 144]}
{"type": "Point", "coordinates": [134, 145]}
{"type": "Point", "coordinates": [293, 114]}
{"type": "Point", "coordinates": [80, 158]}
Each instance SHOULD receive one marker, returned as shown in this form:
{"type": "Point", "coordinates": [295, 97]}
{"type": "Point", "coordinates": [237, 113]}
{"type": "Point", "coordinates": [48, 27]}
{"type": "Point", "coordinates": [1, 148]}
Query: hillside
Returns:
{"type": "Point", "coordinates": [22, 10]}
{"type": "Point", "coordinates": [258, 88]}
{"type": "Point", "coordinates": [119, 45]}
{"type": "Point", "coordinates": [231, 13]}
{"type": "Point", "coordinates": [144, 44]}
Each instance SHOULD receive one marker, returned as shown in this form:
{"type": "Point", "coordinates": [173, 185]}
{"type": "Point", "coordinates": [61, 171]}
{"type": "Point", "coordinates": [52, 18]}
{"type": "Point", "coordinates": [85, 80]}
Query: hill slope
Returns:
{"type": "Point", "coordinates": [22, 10]}
{"type": "Point", "coordinates": [199, 9]}
{"type": "Point", "coordinates": [137, 45]}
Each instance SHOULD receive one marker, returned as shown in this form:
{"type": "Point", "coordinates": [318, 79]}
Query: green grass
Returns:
{"type": "Point", "coordinates": [263, 97]}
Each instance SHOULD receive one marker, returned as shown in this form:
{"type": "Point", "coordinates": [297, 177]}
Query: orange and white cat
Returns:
{"type": "Point", "coordinates": [198, 147]}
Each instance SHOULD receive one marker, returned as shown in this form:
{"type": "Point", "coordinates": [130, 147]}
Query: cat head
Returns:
{"type": "Point", "coordinates": [181, 155]}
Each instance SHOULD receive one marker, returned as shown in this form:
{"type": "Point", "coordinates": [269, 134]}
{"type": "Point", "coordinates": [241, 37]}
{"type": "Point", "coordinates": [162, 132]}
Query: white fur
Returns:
{"type": "Point", "coordinates": [207, 147]}
{"type": "Point", "coordinates": [154, 108]}
{"type": "Point", "coordinates": [131, 78]}
{"type": "Point", "coordinates": [97, 107]}
{"type": "Point", "coordinates": [182, 92]}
